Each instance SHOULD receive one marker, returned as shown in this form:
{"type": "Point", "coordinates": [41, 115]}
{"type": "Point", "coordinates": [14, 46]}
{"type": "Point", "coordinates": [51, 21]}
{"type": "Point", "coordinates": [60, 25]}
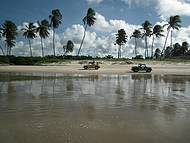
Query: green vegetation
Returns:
{"type": "Point", "coordinates": [8, 33]}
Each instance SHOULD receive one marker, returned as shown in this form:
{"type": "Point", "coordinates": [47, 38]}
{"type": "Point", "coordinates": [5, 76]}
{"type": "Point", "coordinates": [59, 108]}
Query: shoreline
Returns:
{"type": "Point", "coordinates": [74, 68]}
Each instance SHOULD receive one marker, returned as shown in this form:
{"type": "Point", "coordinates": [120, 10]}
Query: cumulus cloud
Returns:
{"type": "Point", "coordinates": [112, 25]}
{"type": "Point", "coordinates": [165, 8]}
{"type": "Point", "coordinates": [94, 1]}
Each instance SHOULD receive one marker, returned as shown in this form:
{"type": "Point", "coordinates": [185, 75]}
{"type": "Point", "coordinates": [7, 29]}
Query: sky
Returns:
{"type": "Point", "coordinates": [111, 15]}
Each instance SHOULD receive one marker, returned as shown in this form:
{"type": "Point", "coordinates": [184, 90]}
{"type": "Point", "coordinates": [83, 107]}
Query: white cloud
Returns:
{"type": "Point", "coordinates": [165, 8]}
{"type": "Point", "coordinates": [139, 2]}
{"type": "Point", "coordinates": [168, 8]}
{"type": "Point", "coordinates": [103, 25]}
{"type": "Point", "coordinates": [94, 1]}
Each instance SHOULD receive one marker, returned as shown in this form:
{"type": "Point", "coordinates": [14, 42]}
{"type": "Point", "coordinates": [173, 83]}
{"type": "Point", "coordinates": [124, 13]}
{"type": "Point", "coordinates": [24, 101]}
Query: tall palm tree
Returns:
{"type": "Point", "coordinates": [0, 39]}
{"type": "Point", "coordinates": [69, 47]}
{"type": "Point", "coordinates": [9, 31]}
{"type": "Point", "coordinates": [146, 27]}
{"type": "Point", "coordinates": [136, 34]}
{"type": "Point", "coordinates": [157, 32]}
{"type": "Point", "coordinates": [88, 20]}
{"type": "Point", "coordinates": [173, 23]}
{"type": "Point", "coordinates": [121, 39]}
{"type": "Point", "coordinates": [55, 21]}
{"type": "Point", "coordinates": [42, 29]}
{"type": "Point", "coordinates": [29, 33]}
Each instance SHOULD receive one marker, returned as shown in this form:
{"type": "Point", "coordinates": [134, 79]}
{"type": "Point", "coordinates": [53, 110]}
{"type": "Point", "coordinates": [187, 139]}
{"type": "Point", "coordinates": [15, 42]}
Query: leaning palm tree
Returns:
{"type": "Point", "coordinates": [29, 33]}
{"type": "Point", "coordinates": [136, 34]}
{"type": "Point", "coordinates": [157, 32]}
{"type": "Point", "coordinates": [55, 21]}
{"type": "Point", "coordinates": [9, 31]}
{"type": "Point", "coordinates": [174, 23]}
{"type": "Point", "coordinates": [121, 39]}
{"type": "Point", "coordinates": [69, 47]}
{"type": "Point", "coordinates": [88, 20]}
{"type": "Point", "coordinates": [42, 29]}
{"type": "Point", "coordinates": [146, 27]}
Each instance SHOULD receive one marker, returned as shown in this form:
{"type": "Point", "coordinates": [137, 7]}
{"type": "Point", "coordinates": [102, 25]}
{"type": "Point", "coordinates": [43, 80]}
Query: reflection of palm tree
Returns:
{"type": "Point", "coordinates": [54, 86]}
{"type": "Point", "coordinates": [9, 31]}
{"type": "Point", "coordinates": [119, 91]}
{"type": "Point", "coordinates": [157, 31]}
{"type": "Point", "coordinates": [88, 20]}
{"type": "Point", "coordinates": [174, 23]}
{"type": "Point", "coordinates": [121, 39]}
{"type": "Point", "coordinates": [29, 33]}
{"type": "Point", "coordinates": [69, 47]}
{"type": "Point", "coordinates": [136, 35]}
{"type": "Point", "coordinates": [42, 29]}
{"type": "Point", "coordinates": [55, 21]}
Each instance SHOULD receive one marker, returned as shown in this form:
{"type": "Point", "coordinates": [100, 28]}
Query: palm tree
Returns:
{"type": "Point", "coordinates": [0, 39]}
{"type": "Point", "coordinates": [174, 23]}
{"type": "Point", "coordinates": [121, 39]}
{"type": "Point", "coordinates": [55, 21]}
{"type": "Point", "coordinates": [69, 47]}
{"type": "Point", "coordinates": [157, 53]}
{"type": "Point", "coordinates": [88, 20]}
{"type": "Point", "coordinates": [29, 33]}
{"type": "Point", "coordinates": [9, 31]}
{"type": "Point", "coordinates": [42, 29]}
{"type": "Point", "coordinates": [184, 48]}
{"type": "Point", "coordinates": [136, 34]}
{"type": "Point", "coordinates": [146, 26]}
{"type": "Point", "coordinates": [157, 32]}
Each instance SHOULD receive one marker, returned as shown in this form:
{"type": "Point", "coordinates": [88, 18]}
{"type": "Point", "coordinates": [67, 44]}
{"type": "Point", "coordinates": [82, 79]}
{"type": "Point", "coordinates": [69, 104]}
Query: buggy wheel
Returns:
{"type": "Point", "coordinates": [135, 70]}
{"type": "Point", "coordinates": [85, 67]}
{"type": "Point", "coordinates": [148, 70]}
{"type": "Point", "coordinates": [96, 67]}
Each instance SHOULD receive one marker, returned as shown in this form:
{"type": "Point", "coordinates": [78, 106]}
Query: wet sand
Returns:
{"type": "Point", "coordinates": [105, 68]}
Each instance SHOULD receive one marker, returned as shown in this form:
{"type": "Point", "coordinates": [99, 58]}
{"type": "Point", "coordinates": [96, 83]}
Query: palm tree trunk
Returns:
{"type": "Point", "coordinates": [30, 47]}
{"type": "Point", "coordinates": [120, 51]}
{"type": "Point", "coordinates": [171, 44]}
{"type": "Point", "coordinates": [42, 47]}
{"type": "Point", "coordinates": [10, 50]}
{"type": "Point", "coordinates": [54, 42]}
{"type": "Point", "coordinates": [7, 49]}
{"type": "Point", "coordinates": [2, 51]}
{"type": "Point", "coordinates": [152, 47]}
{"type": "Point", "coordinates": [165, 41]}
{"type": "Point", "coordinates": [135, 46]}
{"type": "Point", "coordinates": [118, 54]}
{"type": "Point", "coordinates": [145, 39]}
{"type": "Point", "coordinates": [82, 40]}
{"type": "Point", "coordinates": [146, 42]}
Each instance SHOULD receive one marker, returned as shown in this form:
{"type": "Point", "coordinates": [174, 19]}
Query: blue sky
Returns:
{"type": "Point", "coordinates": [127, 14]}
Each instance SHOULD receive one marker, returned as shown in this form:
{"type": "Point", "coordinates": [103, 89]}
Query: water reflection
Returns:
{"type": "Point", "coordinates": [81, 108]}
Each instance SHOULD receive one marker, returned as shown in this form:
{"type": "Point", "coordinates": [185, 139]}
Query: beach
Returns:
{"type": "Point", "coordinates": [106, 67]}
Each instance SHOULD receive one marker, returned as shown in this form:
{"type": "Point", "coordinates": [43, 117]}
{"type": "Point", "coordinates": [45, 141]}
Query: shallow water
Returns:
{"type": "Point", "coordinates": [56, 108]}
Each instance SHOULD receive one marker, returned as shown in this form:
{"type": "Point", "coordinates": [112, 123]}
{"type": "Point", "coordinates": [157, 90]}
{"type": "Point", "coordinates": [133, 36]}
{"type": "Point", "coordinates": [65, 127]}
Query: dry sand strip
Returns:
{"type": "Point", "coordinates": [105, 69]}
